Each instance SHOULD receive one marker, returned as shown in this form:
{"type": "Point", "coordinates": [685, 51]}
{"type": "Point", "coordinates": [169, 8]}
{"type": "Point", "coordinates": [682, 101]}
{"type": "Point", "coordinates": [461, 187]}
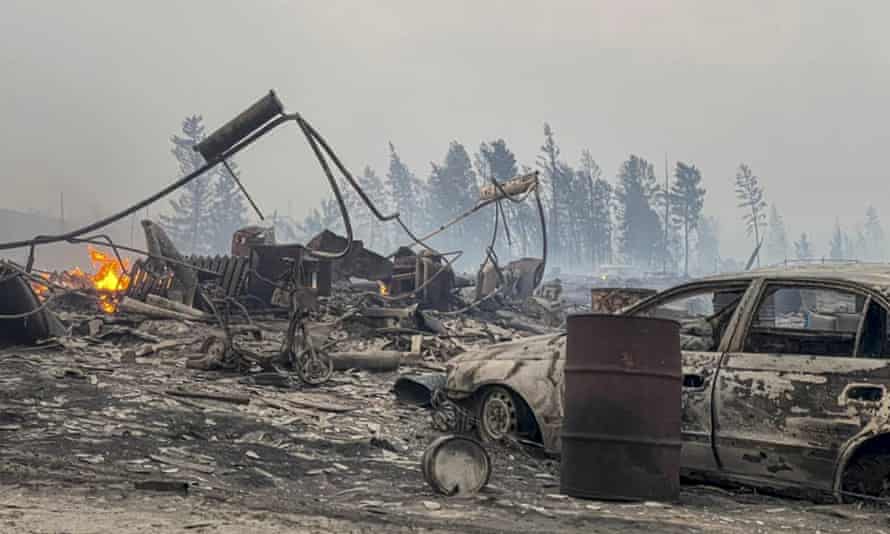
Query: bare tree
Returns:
{"type": "Point", "coordinates": [750, 195]}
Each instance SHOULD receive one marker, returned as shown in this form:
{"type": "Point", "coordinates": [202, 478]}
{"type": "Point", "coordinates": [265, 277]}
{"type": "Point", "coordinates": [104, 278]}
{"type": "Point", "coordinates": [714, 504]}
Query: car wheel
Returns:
{"type": "Point", "coordinates": [497, 413]}
{"type": "Point", "coordinates": [868, 474]}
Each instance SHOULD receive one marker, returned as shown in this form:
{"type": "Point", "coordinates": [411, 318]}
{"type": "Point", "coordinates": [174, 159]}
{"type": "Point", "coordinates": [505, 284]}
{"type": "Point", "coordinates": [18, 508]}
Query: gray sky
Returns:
{"type": "Point", "coordinates": [92, 91]}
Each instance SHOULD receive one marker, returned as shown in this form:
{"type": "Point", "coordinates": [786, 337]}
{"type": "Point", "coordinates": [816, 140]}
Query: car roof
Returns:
{"type": "Point", "coordinates": [873, 275]}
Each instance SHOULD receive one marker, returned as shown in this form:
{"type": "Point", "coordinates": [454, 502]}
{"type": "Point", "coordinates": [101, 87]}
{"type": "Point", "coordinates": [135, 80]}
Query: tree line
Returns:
{"type": "Point", "coordinates": [865, 241]}
{"type": "Point", "coordinates": [590, 222]}
{"type": "Point", "coordinates": [639, 219]}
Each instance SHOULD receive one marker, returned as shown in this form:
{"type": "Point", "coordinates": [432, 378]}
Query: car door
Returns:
{"type": "Point", "coordinates": [707, 314]}
{"type": "Point", "coordinates": [805, 371]}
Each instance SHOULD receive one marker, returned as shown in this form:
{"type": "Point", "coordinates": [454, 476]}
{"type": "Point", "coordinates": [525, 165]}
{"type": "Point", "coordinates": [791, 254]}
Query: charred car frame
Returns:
{"type": "Point", "coordinates": [785, 378]}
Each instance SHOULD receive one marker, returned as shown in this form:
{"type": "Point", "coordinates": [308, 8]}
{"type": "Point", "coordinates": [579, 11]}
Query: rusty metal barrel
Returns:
{"type": "Point", "coordinates": [621, 430]}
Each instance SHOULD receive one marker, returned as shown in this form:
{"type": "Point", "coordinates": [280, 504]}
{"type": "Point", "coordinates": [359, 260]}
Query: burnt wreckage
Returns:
{"type": "Point", "coordinates": [259, 274]}
{"type": "Point", "coordinates": [784, 372]}
{"type": "Point", "coordinates": [785, 378]}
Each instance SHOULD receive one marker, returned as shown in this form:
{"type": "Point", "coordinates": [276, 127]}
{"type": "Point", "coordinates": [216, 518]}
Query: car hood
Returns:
{"type": "Point", "coordinates": [527, 348]}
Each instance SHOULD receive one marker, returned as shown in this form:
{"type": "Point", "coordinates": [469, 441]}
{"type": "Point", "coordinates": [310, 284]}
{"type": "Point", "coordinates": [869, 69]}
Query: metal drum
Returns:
{"type": "Point", "coordinates": [456, 465]}
{"type": "Point", "coordinates": [621, 430]}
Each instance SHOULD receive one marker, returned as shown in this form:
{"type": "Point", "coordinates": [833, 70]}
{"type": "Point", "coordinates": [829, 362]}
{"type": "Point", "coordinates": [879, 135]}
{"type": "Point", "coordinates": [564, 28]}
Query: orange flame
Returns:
{"type": "Point", "coordinates": [110, 278]}
{"type": "Point", "coordinates": [384, 291]}
{"type": "Point", "coordinates": [40, 289]}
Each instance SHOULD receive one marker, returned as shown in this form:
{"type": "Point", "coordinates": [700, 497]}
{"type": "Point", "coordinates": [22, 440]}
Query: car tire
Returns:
{"type": "Point", "coordinates": [869, 474]}
{"type": "Point", "coordinates": [499, 414]}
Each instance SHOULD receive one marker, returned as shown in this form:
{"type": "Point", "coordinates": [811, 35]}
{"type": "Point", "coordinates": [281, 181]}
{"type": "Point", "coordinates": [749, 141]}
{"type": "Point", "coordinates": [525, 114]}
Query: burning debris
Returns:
{"type": "Point", "coordinates": [109, 280]}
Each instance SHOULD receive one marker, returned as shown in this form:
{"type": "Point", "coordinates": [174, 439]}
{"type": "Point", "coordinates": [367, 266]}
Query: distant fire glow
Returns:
{"type": "Point", "coordinates": [384, 291]}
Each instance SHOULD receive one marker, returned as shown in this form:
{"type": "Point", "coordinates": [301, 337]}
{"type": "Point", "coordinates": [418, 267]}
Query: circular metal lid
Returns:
{"type": "Point", "coordinates": [456, 465]}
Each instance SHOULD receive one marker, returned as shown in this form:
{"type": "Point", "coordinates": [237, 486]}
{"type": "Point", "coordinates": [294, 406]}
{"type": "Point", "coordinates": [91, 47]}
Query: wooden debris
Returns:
{"type": "Point", "coordinates": [129, 305]}
{"type": "Point", "coordinates": [131, 354]}
{"type": "Point", "coordinates": [432, 505]}
{"type": "Point", "coordinates": [416, 344]}
{"type": "Point", "coordinates": [513, 320]}
{"type": "Point", "coordinates": [175, 462]}
{"type": "Point", "coordinates": [179, 486]}
{"type": "Point", "coordinates": [201, 524]}
{"type": "Point", "coordinates": [177, 307]}
{"type": "Point", "coordinates": [233, 398]}
{"type": "Point", "coordinates": [376, 361]}
{"type": "Point", "coordinates": [318, 402]}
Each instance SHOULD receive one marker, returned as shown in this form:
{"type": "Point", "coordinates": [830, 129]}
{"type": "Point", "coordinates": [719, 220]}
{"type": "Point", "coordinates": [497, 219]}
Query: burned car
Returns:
{"type": "Point", "coordinates": [785, 377]}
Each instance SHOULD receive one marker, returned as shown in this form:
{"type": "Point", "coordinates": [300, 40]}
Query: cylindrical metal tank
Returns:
{"type": "Point", "coordinates": [621, 431]}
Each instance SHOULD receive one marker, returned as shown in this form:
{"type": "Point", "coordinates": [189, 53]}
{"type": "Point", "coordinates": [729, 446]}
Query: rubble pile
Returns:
{"type": "Point", "coordinates": [163, 398]}
{"type": "Point", "coordinates": [168, 396]}
{"type": "Point", "coordinates": [114, 406]}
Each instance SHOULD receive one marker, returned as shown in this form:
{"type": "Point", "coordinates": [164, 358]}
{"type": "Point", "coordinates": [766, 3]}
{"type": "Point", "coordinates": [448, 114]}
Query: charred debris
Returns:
{"type": "Point", "coordinates": [286, 335]}
{"type": "Point", "coordinates": [330, 277]}
{"type": "Point", "coordinates": [283, 317]}
{"type": "Point", "coordinates": [291, 329]}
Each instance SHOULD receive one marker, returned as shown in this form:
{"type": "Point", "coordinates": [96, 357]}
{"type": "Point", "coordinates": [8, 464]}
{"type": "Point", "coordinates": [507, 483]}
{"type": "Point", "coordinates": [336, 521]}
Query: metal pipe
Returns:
{"type": "Point", "coordinates": [232, 132]}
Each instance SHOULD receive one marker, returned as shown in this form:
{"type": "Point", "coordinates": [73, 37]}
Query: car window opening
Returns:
{"type": "Point", "coordinates": [703, 316]}
{"type": "Point", "coordinates": [816, 321]}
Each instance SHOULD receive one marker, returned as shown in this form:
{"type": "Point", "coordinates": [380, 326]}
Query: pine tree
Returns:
{"type": "Point", "coordinates": [331, 218]}
{"type": "Point", "coordinates": [602, 228]}
{"type": "Point", "coordinates": [453, 189]}
{"type": "Point", "coordinates": [639, 226]}
{"type": "Point", "coordinates": [559, 176]}
{"type": "Point", "coordinates": [401, 185]}
{"type": "Point", "coordinates": [528, 218]}
{"type": "Point", "coordinates": [874, 235]}
{"type": "Point", "coordinates": [312, 224]}
{"type": "Point", "coordinates": [373, 230]}
{"type": "Point", "coordinates": [858, 246]}
{"type": "Point", "coordinates": [190, 225]}
{"type": "Point", "coordinates": [599, 218]}
{"type": "Point", "coordinates": [574, 203]}
{"type": "Point", "coordinates": [495, 161]}
{"type": "Point", "coordinates": [286, 229]}
{"type": "Point", "coordinates": [777, 237]}
{"type": "Point", "coordinates": [359, 215]}
{"type": "Point", "coordinates": [849, 247]}
{"type": "Point", "coordinates": [750, 195]}
{"type": "Point", "coordinates": [803, 248]}
{"type": "Point", "coordinates": [687, 199]}
{"type": "Point", "coordinates": [229, 212]}
{"type": "Point", "coordinates": [837, 246]}
{"type": "Point", "coordinates": [707, 245]}
{"type": "Point", "coordinates": [581, 215]}
{"type": "Point", "coordinates": [662, 203]}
